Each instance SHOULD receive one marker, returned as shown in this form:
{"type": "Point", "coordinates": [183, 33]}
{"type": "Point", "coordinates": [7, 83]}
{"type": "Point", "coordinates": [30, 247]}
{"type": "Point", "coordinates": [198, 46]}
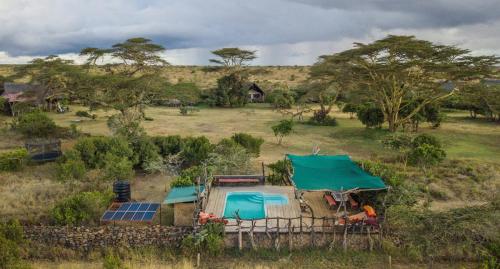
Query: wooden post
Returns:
{"type": "Point", "coordinates": [252, 242]}
{"type": "Point", "coordinates": [290, 244]}
{"type": "Point", "coordinates": [324, 227]}
{"type": "Point", "coordinates": [277, 242]}
{"type": "Point", "coordinates": [312, 232]}
{"type": "Point", "coordinates": [198, 259]}
{"type": "Point", "coordinates": [240, 238]}
{"type": "Point", "coordinates": [300, 224]}
{"type": "Point", "coordinates": [390, 261]}
{"type": "Point", "coordinates": [346, 220]}
{"type": "Point", "coordinates": [370, 240]}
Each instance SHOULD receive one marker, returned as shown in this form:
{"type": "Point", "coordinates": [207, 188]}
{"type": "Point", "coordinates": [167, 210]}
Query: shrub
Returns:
{"type": "Point", "coordinates": [13, 160]}
{"type": "Point", "coordinates": [320, 119]}
{"type": "Point", "coordinates": [350, 108]}
{"type": "Point", "coordinates": [81, 208]}
{"type": "Point", "coordinates": [70, 166]}
{"type": "Point", "coordinates": [210, 240]}
{"type": "Point", "coordinates": [112, 261]}
{"type": "Point", "coordinates": [186, 93]}
{"type": "Point", "coordinates": [181, 182]}
{"type": "Point", "coordinates": [279, 172]}
{"type": "Point", "coordinates": [229, 157]}
{"type": "Point", "coordinates": [116, 167]}
{"type": "Point", "coordinates": [145, 151]}
{"type": "Point", "coordinates": [11, 237]}
{"type": "Point", "coordinates": [250, 143]}
{"type": "Point", "coordinates": [282, 129]}
{"type": "Point", "coordinates": [370, 116]}
{"type": "Point", "coordinates": [281, 99]}
{"type": "Point", "coordinates": [35, 124]}
{"type": "Point", "coordinates": [426, 150]}
{"type": "Point", "coordinates": [230, 91]}
{"type": "Point", "coordinates": [93, 150]}
{"type": "Point", "coordinates": [168, 145]}
{"type": "Point", "coordinates": [195, 150]}
{"type": "Point", "coordinates": [426, 154]}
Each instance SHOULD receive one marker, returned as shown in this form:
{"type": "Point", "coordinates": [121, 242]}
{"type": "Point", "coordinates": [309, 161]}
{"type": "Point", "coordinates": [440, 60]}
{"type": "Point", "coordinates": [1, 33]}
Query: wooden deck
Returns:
{"type": "Point", "coordinates": [279, 214]}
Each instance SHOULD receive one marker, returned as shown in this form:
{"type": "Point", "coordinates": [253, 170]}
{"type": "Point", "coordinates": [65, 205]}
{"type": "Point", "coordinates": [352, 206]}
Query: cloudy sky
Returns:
{"type": "Point", "coordinates": [284, 32]}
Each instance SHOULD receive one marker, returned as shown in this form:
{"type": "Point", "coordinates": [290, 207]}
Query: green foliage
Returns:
{"type": "Point", "coordinates": [426, 150]}
{"type": "Point", "coordinates": [282, 129]}
{"type": "Point", "coordinates": [279, 172]}
{"type": "Point", "coordinates": [250, 143]}
{"type": "Point", "coordinates": [195, 150]}
{"type": "Point", "coordinates": [11, 240]}
{"type": "Point", "coordinates": [81, 208]}
{"type": "Point", "coordinates": [168, 145]}
{"type": "Point", "coordinates": [229, 157]}
{"type": "Point", "coordinates": [116, 167]}
{"type": "Point", "coordinates": [146, 152]}
{"type": "Point", "coordinates": [70, 166]}
{"type": "Point", "coordinates": [126, 126]}
{"type": "Point", "coordinates": [93, 150]}
{"type": "Point", "coordinates": [112, 261]}
{"type": "Point", "coordinates": [466, 232]}
{"type": "Point", "coordinates": [233, 57]}
{"type": "Point", "coordinates": [186, 110]}
{"type": "Point", "coordinates": [281, 99]}
{"type": "Point", "coordinates": [20, 108]}
{"type": "Point", "coordinates": [230, 91]}
{"type": "Point", "coordinates": [209, 241]}
{"type": "Point", "coordinates": [426, 155]}
{"type": "Point", "coordinates": [13, 160]}
{"type": "Point", "coordinates": [370, 116]}
{"type": "Point", "coordinates": [185, 92]}
{"type": "Point", "coordinates": [350, 108]}
{"type": "Point", "coordinates": [3, 104]}
{"type": "Point", "coordinates": [320, 119]}
{"type": "Point", "coordinates": [181, 182]}
{"type": "Point", "coordinates": [35, 124]}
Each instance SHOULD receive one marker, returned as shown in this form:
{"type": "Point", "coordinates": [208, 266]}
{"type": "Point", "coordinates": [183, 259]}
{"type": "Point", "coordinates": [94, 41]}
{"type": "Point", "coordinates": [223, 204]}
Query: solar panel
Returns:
{"type": "Point", "coordinates": [132, 211]}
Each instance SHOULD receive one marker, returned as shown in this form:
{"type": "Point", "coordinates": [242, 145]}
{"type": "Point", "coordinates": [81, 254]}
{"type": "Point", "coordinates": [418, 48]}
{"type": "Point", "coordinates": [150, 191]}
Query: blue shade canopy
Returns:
{"type": "Point", "coordinates": [133, 211]}
{"type": "Point", "coordinates": [331, 173]}
{"type": "Point", "coordinates": [183, 194]}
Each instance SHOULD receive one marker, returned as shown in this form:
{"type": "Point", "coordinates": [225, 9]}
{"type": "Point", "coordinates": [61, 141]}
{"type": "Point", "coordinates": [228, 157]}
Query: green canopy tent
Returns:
{"type": "Point", "coordinates": [331, 173]}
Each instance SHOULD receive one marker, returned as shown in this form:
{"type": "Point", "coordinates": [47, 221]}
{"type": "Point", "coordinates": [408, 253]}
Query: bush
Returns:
{"type": "Point", "coordinates": [168, 145]}
{"type": "Point", "coordinates": [426, 155]}
{"type": "Point", "coordinates": [229, 157]}
{"type": "Point", "coordinates": [35, 124]}
{"type": "Point", "coordinates": [281, 99]}
{"type": "Point", "coordinates": [426, 150]}
{"type": "Point", "coordinates": [282, 129]}
{"type": "Point", "coordinates": [112, 261]}
{"type": "Point", "coordinates": [250, 143]}
{"type": "Point", "coordinates": [186, 93]}
{"type": "Point", "coordinates": [13, 160]}
{"type": "Point", "coordinates": [146, 152]}
{"type": "Point", "coordinates": [370, 116]}
{"type": "Point", "coordinates": [195, 150]}
{"type": "Point", "coordinates": [279, 172]}
{"type": "Point", "coordinates": [93, 150]}
{"type": "Point", "coordinates": [116, 167]}
{"type": "Point", "coordinates": [210, 240]}
{"type": "Point", "coordinates": [320, 119]}
{"type": "Point", "coordinates": [350, 108]}
{"type": "Point", "coordinates": [230, 91]}
{"type": "Point", "coordinates": [11, 237]}
{"type": "Point", "coordinates": [181, 182]}
{"type": "Point", "coordinates": [70, 166]}
{"type": "Point", "coordinates": [81, 208]}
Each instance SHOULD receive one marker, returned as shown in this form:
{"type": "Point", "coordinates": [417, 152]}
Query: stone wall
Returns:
{"type": "Point", "coordinates": [87, 238]}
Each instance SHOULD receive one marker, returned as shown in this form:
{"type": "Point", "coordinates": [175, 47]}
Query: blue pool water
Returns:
{"type": "Point", "coordinates": [251, 205]}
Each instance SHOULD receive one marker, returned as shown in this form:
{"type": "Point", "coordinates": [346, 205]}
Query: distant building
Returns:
{"type": "Point", "coordinates": [26, 93]}
{"type": "Point", "coordinates": [255, 93]}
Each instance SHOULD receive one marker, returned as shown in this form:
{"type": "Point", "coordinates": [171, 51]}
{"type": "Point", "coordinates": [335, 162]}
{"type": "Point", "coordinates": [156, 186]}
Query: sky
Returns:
{"type": "Point", "coordinates": [283, 32]}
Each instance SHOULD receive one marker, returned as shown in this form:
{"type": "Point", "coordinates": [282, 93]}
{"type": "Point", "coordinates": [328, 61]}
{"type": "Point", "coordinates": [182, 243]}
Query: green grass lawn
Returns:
{"type": "Point", "coordinates": [463, 138]}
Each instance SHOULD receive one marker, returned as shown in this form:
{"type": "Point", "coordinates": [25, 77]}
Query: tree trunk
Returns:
{"type": "Point", "coordinates": [391, 119]}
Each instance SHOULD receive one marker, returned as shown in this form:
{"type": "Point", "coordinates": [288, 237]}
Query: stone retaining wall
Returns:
{"type": "Point", "coordinates": [88, 238]}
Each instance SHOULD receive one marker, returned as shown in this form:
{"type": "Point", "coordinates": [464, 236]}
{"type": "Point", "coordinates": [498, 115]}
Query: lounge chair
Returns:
{"type": "Point", "coordinates": [330, 200]}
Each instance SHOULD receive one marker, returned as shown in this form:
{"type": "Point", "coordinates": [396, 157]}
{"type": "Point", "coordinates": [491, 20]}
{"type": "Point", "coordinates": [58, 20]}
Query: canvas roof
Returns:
{"type": "Point", "coordinates": [331, 173]}
{"type": "Point", "coordinates": [182, 194]}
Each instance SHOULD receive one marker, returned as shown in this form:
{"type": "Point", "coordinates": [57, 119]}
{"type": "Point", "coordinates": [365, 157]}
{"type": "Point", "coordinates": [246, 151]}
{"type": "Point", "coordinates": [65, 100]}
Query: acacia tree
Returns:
{"type": "Point", "coordinates": [127, 82]}
{"type": "Point", "coordinates": [398, 69]}
{"type": "Point", "coordinates": [231, 89]}
{"type": "Point", "coordinates": [233, 57]}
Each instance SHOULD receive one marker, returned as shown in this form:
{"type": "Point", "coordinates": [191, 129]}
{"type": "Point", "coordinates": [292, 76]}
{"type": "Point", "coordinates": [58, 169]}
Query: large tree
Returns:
{"type": "Point", "coordinates": [127, 81]}
{"type": "Point", "coordinates": [397, 70]}
{"type": "Point", "coordinates": [233, 57]}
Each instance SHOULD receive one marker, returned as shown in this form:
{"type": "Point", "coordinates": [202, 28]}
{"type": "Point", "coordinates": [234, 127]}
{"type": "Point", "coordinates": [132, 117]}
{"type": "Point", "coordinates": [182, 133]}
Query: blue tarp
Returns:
{"type": "Point", "coordinates": [182, 194]}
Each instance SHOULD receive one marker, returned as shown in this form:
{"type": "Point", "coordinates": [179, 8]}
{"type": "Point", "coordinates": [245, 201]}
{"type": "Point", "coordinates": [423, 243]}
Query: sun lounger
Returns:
{"type": "Point", "coordinates": [329, 200]}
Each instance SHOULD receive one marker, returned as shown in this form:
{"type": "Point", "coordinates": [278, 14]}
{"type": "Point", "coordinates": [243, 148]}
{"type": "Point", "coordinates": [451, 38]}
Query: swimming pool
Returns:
{"type": "Point", "coordinates": [251, 205]}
